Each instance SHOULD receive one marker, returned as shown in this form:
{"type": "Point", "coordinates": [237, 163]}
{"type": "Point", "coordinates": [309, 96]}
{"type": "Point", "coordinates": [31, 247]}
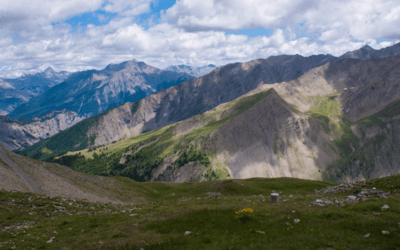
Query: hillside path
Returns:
{"type": "Point", "coordinates": [28, 180]}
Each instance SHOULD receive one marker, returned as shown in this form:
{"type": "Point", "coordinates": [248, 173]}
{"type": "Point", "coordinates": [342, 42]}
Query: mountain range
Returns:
{"type": "Point", "coordinates": [91, 92]}
{"type": "Point", "coordinates": [14, 92]}
{"type": "Point", "coordinates": [316, 117]}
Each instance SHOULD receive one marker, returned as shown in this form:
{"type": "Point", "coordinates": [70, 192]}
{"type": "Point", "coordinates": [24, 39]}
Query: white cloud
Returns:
{"type": "Point", "coordinates": [191, 32]}
{"type": "Point", "coordinates": [124, 7]}
{"type": "Point", "coordinates": [45, 11]}
{"type": "Point", "coordinates": [333, 18]}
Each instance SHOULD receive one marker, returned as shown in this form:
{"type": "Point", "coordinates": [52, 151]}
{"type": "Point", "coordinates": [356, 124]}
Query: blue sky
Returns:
{"type": "Point", "coordinates": [77, 35]}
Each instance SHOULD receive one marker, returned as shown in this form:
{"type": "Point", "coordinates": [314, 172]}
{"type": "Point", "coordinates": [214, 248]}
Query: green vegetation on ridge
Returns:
{"type": "Point", "coordinates": [155, 146]}
{"type": "Point", "coordinates": [363, 152]}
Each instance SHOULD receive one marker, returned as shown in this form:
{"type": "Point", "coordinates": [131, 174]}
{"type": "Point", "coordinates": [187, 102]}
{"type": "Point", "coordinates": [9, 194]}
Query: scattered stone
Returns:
{"type": "Point", "coordinates": [385, 232]}
{"type": "Point", "coordinates": [187, 233]}
{"type": "Point", "coordinates": [51, 240]}
{"type": "Point", "coordinates": [376, 213]}
{"type": "Point", "coordinates": [296, 221]}
{"type": "Point", "coordinates": [100, 242]}
{"type": "Point", "coordinates": [132, 214]}
{"type": "Point", "coordinates": [351, 197]}
{"type": "Point", "coordinates": [287, 224]}
{"type": "Point", "coordinates": [385, 207]}
{"type": "Point", "coordinates": [290, 196]}
{"type": "Point", "coordinates": [293, 211]}
{"type": "Point", "coordinates": [367, 235]}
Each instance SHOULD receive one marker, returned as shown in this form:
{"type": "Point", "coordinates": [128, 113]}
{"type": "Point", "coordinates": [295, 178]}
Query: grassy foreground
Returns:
{"type": "Point", "coordinates": [239, 219]}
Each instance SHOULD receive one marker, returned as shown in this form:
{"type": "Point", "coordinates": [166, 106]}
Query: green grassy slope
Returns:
{"type": "Point", "coordinates": [239, 219]}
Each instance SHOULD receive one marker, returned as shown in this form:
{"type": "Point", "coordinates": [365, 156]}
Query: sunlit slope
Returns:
{"type": "Point", "coordinates": [180, 146]}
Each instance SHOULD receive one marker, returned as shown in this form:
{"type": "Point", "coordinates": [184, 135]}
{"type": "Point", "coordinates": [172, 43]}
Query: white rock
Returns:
{"type": "Point", "coordinates": [296, 221]}
{"type": "Point", "coordinates": [352, 197]}
{"type": "Point", "coordinates": [187, 233]}
{"type": "Point", "coordinates": [132, 214]}
{"type": "Point", "coordinates": [319, 201]}
{"type": "Point", "coordinates": [384, 207]}
{"type": "Point", "coordinates": [367, 235]}
{"type": "Point", "coordinates": [51, 240]}
{"type": "Point", "coordinates": [385, 232]}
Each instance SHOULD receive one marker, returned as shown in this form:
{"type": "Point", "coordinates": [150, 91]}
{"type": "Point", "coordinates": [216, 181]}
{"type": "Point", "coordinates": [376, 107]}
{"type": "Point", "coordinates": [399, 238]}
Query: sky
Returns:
{"type": "Point", "coordinates": [77, 35]}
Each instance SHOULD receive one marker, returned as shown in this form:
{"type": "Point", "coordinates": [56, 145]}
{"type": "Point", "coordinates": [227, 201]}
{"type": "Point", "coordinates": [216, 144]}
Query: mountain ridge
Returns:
{"type": "Point", "coordinates": [91, 92]}
{"type": "Point", "coordinates": [313, 139]}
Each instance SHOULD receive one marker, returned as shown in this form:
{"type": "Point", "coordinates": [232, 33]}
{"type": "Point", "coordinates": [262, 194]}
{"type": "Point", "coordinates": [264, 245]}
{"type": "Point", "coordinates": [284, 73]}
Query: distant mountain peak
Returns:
{"type": "Point", "coordinates": [117, 67]}
{"type": "Point", "coordinates": [49, 70]}
{"type": "Point", "coordinates": [367, 47]}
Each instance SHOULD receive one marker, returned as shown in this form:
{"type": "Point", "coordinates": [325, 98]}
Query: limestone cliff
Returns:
{"type": "Point", "coordinates": [17, 135]}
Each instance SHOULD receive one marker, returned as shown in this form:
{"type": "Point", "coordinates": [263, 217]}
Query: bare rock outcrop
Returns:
{"type": "Point", "coordinates": [17, 135]}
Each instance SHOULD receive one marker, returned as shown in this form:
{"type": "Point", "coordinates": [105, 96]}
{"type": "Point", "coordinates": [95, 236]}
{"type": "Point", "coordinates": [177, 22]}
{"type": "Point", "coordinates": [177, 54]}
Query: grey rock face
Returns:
{"type": "Point", "coordinates": [17, 135]}
{"type": "Point", "coordinates": [92, 92]}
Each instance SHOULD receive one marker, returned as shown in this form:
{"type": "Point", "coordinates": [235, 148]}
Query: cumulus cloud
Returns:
{"type": "Point", "coordinates": [190, 32]}
{"type": "Point", "coordinates": [333, 18]}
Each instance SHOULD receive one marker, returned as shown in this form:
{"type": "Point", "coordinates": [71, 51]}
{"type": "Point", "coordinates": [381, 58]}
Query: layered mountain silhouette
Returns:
{"type": "Point", "coordinates": [315, 117]}
{"type": "Point", "coordinates": [41, 82]}
{"type": "Point", "coordinates": [194, 71]}
{"type": "Point", "coordinates": [14, 92]}
{"type": "Point", "coordinates": [91, 92]}
{"type": "Point", "coordinates": [10, 97]}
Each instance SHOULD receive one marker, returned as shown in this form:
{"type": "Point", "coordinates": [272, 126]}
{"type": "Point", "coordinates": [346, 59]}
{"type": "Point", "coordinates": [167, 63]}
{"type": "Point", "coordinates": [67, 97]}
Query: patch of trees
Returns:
{"type": "Point", "coordinates": [193, 155]}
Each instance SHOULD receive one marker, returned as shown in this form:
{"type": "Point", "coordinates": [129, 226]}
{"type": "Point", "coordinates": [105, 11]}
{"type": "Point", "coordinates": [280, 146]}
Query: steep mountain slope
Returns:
{"type": "Point", "coordinates": [298, 128]}
{"type": "Point", "coordinates": [91, 92]}
{"type": "Point", "coordinates": [10, 97]}
{"type": "Point", "coordinates": [256, 135]}
{"type": "Point", "coordinates": [15, 134]}
{"type": "Point", "coordinates": [180, 102]}
{"type": "Point", "coordinates": [54, 180]}
{"type": "Point", "coordinates": [367, 52]}
{"type": "Point", "coordinates": [194, 71]}
{"type": "Point", "coordinates": [40, 82]}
